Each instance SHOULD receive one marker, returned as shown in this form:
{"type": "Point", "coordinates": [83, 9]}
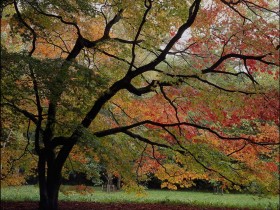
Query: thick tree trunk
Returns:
{"type": "Point", "coordinates": [49, 183]}
{"type": "Point", "coordinates": [53, 196]}
{"type": "Point", "coordinates": [49, 193]}
{"type": "Point", "coordinates": [49, 197]}
{"type": "Point", "coordinates": [53, 184]}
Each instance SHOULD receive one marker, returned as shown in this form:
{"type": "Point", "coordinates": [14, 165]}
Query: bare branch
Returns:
{"type": "Point", "coordinates": [182, 78]}
{"type": "Point", "coordinates": [164, 125]}
{"type": "Point", "coordinates": [113, 56]}
{"type": "Point", "coordinates": [173, 106]}
{"type": "Point", "coordinates": [148, 5]}
{"type": "Point", "coordinates": [140, 91]}
{"type": "Point", "coordinates": [28, 27]}
{"type": "Point", "coordinates": [193, 10]}
{"type": "Point", "coordinates": [231, 5]}
{"type": "Point", "coordinates": [27, 114]}
{"type": "Point", "coordinates": [259, 58]}
{"type": "Point", "coordinates": [40, 11]}
{"type": "Point", "coordinates": [110, 24]}
{"type": "Point", "coordinates": [238, 150]}
{"type": "Point", "coordinates": [127, 41]}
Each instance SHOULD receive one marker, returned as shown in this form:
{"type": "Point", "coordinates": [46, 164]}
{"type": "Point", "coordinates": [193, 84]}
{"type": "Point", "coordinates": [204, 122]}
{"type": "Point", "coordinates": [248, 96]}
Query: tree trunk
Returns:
{"type": "Point", "coordinates": [44, 204]}
{"type": "Point", "coordinates": [49, 193]}
{"type": "Point", "coordinates": [53, 190]}
{"type": "Point", "coordinates": [49, 183]}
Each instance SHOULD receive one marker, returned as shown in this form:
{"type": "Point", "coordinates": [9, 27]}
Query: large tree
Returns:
{"type": "Point", "coordinates": [66, 62]}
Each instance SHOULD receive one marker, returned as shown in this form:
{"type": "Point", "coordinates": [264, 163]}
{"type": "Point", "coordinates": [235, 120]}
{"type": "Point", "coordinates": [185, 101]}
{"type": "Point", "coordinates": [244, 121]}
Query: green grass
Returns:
{"type": "Point", "coordinates": [30, 193]}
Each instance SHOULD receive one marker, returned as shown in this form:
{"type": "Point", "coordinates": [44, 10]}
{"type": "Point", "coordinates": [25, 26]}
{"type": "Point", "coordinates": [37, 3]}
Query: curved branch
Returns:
{"type": "Point", "coordinates": [212, 68]}
{"type": "Point", "coordinates": [28, 27]}
{"type": "Point", "coordinates": [40, 11]}
{"type": "Point", "coordinates": [164, 125]}
{"type": "Point", "coordinates": [171, 102]}
{"type": "Point", "coordinates": [113, 56]}
{"type": "Point", "coordinates": [148, 5]}
{"type": "Point", "coordinates": [215, 85]}
{"type": "Point", "coordinates": [238, 150]}
{"type": "Point", "coordinates": [127, 41]}
{"type": "Point", "coordinates": [193, 11]}
{"type": "Point", "coordinates": [140, 91]}
{"type": "Point", "coordinates": [231, 5]}
{"type": "Point", "coordinates": [27, 114]}
{"type": "Point", "coordinates": [34, 81]}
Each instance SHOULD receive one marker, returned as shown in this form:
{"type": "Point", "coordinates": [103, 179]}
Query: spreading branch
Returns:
{"type": "Point", "coordinates": [164, 125]}
{"type": "Point", "coordinates": [27, 114]}
{"type": "Point", "coordinates": [212, 69]}
{"type": "Point", "coordinates": [180, 151]}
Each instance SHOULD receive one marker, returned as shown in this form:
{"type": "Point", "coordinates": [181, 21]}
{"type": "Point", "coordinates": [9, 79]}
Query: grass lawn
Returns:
{"type": "Point", "coordinates": [30, 193]}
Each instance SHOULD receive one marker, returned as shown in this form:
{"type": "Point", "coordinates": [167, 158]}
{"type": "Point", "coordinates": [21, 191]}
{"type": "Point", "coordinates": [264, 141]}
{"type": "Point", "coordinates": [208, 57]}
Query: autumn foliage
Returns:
{"type": "Point", "coordinates": [180, 90]}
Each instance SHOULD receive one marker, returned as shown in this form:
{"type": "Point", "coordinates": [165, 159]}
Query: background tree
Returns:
{"type": "Point", "coordinates": [65, 62]}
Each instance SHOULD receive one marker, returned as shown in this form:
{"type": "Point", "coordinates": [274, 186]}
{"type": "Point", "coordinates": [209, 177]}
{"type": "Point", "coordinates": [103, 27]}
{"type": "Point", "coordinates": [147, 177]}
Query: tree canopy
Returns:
{"type": "Point", "coordinates": [183, 90]}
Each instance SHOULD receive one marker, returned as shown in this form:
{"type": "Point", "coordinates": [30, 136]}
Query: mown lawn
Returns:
{"type": "Point", "coordinates": [30, 193]}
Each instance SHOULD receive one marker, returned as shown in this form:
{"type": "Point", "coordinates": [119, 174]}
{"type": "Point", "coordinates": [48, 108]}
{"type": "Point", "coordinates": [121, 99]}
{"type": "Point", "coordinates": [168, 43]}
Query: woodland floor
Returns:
{"type": "Point", "coordinates": [104, 206]}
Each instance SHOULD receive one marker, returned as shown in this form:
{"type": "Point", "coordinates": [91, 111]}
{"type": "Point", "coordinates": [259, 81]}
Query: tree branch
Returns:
{"type": "Point", "coordinates": [148, 5]}
{"type": "Point", "coordinates": [212, 68]}
{"type": "Point", "coordinates": [27, 114]}
{"type": "Point", "coordinates": [164, 125]}
{"type": "Point", "coordinates": [110, 24]}
{"type": "Point", "coordinates": [182, 152]}
{"type": "Point", "coordinates": [193, 11]}
{"type": "Point", "coordinates": [140, 91]}
{"type": "Point", "coordinates": [28, 27]}
{"type": "Point", "coordinates": [40, 11]}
